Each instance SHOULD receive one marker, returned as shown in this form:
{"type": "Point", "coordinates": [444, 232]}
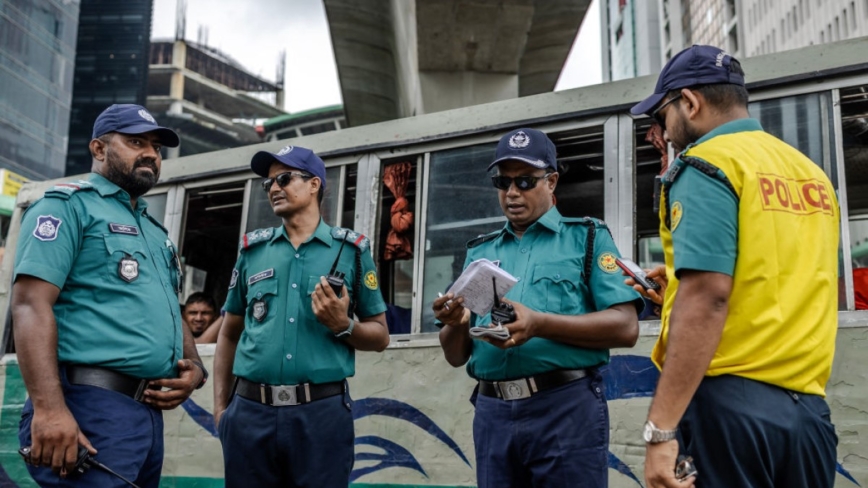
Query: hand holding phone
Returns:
{"type": "Point", "coordinates": [634, 271]}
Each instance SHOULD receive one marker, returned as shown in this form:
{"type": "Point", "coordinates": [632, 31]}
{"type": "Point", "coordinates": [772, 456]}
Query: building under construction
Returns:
{"type": "Point", "coordinates": [208, 98]}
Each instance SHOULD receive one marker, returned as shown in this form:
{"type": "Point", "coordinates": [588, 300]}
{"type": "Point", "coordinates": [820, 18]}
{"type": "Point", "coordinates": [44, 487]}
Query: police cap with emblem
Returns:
{"type": "Point", "coordinates": [694, 66]}
{"type": "Point", "coordinates": [127, 118]}
{"type": "Point", "coordinates": [293, 156]}
{"type": "Point", "coordinates": [528, 146]}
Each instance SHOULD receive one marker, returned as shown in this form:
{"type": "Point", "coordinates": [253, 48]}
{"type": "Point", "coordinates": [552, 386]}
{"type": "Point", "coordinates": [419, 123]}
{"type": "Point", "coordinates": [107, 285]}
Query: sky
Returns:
{"type": "Point", "coordinates": [255, 40]}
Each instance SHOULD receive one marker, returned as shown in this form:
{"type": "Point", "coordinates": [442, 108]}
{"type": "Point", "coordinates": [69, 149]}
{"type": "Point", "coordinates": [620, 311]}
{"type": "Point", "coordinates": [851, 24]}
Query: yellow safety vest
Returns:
{"type": "Point", "coordinates": [782, 317]}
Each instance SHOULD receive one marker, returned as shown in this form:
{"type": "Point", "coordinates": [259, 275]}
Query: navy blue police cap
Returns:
{"type": "Point", "coordinates": [694, 66]}
{"type": "Point", "coordinates": [528, 146]}
{"type": "Point", "coordinates": [127, 118]}
{"type": "Point", "coordinates": [293, 156]}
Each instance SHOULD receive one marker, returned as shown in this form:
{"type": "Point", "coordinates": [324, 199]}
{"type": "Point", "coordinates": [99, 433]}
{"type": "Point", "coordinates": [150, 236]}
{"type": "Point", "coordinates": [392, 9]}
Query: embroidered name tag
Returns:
{"type": "Point", "coordinates": [268, 273]}
{"type": "Point", "coordinates": [131, 230]}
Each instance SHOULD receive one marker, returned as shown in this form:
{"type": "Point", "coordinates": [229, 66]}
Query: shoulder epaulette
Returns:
{"type": "Point", "coordinates": [586, 221]}
{"type": "Point", "coordinates": [66, 190]}
{"type": "Point", "coordinates": [483, 238]}
{"type": "Point", "coordinates": [351, 236]}
{"type": "Point", "coordinates": [255, 237]}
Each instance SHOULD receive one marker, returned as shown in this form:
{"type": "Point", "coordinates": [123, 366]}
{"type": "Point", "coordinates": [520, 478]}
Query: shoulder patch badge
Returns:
{"type": "Point", "coordinates": [371, 280]}
{"type": "Point", "coordinates": [606, 262]}
{"type": "Point", "coordinates": [234, 280]}
{"type": "Point", "coordinates": [675, 215]}
{"type": "Point", "coordinates": [47, 227]}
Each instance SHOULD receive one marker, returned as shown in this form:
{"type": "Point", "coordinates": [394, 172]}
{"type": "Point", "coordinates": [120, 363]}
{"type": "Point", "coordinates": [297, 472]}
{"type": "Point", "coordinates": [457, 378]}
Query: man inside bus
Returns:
{"type": "Point", "coordinates": [541, 415]}
{"type": "Point", "coordinates": [290, 337]}
{"type": "Point", "coordinates": [96, 315]}
{"type": "Point", "coordinates": [750, 233]}
{"type": "Point", "coordinates": [200, 315]}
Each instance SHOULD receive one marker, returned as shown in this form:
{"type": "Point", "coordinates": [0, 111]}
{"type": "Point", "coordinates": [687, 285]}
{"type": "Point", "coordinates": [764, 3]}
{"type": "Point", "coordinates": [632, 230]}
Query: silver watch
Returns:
{"type": "Point", "coordinates": [653, 435]}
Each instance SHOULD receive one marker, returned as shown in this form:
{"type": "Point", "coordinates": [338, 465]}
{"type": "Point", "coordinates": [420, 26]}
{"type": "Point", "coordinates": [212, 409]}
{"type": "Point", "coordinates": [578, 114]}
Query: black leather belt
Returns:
{"type": "Point", "coordinates": [281, 395]}
{"type": "Point", "coordinates": [526, 387]}
{"type": "Point", "coordinates": [109, 380]}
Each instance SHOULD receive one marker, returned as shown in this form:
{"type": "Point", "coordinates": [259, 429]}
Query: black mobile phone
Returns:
{"type": "Point", "coordinates": [634, 271]}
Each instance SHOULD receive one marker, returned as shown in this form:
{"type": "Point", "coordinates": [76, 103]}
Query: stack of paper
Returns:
{"type": "Point", "coordinates": [476, 286]}
{"type": "Point", "coordinates": [494, 331]}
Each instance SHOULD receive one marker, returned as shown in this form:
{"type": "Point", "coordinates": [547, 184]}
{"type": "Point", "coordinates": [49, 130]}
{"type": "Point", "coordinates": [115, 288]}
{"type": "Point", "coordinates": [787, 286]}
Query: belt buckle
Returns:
{"type": "Point", "coordinates": [284, 395]}
{"type": "Point", "coordinates": [514, 390]}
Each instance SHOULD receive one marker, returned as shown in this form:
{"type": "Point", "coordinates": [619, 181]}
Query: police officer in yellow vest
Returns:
{"type": "Point", "coordinates": [290, 340]}
{"type": "Point", "coordinates": [749, 227]}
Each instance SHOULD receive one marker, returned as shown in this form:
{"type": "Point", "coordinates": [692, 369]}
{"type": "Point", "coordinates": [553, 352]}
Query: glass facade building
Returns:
{"type": "Point", "coordinates": [37, 52]}
{"type": "Point", "coordinates": [111, 66]}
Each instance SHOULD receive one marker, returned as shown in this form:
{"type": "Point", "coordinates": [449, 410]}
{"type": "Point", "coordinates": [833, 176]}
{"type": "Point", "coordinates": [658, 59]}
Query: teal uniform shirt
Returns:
{"type": "Point", "coordinates": [706, 237]}
{"type": "Point", "coordinates": [282, 342]}
{"type": "Point", "coordinates": [120, 316]}
{"type": "Point", "coordinates": [549, 262]}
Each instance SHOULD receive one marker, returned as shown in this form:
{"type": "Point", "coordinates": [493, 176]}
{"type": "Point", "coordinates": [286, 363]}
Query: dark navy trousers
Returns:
{"type": "Point", "coordinates": [308, 445]}
{"type": "Point", "coordinates": [127, 434]}
{"type": "Point", "coordinates": [558, 438]}
{"type": "Point", "coordinates": [750, 434]}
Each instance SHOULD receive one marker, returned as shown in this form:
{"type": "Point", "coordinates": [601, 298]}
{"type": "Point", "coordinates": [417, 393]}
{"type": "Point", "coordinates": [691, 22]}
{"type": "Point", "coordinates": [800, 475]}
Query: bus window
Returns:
{"type": "Point", "coordinates": [157, 206]}
{"type": "Point", "coordinates": [210, 238]}
{"type": "Point", "coordinates": [260, 214]}
{"type": "Point", "coordinates": [580, 162]}
{"type": "Point", "coordinates": [395, 241]}
{"type": "Point", "coordinates": [854, 121]}
{"type": "Point", "coordinates": [797, 120]}
{"type": "Point", "coordinates": [651, 160]}
{"type": "Point", "coordinates": [461, 204]}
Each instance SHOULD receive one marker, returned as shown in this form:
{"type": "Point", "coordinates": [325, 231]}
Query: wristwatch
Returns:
{"type": "Point", "coordinates": [653, 435]}
{"type": "Point", "coordinates": [345, 334]}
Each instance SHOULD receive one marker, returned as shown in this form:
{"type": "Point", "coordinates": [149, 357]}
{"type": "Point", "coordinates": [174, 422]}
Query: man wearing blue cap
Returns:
{"type": "Point", "coordinates": [95, 309]}
{"type": "Point", "coordinates": [289, 336]}
{"type": "Point", "coordinates": [749, 227]}
{"type": "Point", "coordinates": [541, 414]}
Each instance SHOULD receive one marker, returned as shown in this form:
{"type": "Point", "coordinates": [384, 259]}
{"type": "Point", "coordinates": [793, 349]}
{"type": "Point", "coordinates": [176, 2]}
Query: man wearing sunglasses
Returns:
{"type": "Point", "coordinates": [749, 227]}
{"type": "Point", "coordinates": [290, 339]}
{"type": "Point", "coordinates": [541, 414]}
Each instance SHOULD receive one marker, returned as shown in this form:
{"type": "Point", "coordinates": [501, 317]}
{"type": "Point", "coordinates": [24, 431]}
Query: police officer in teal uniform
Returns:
{"type": "Point", "coordinates": [541, 414]}
{"type": "Point", "coordinates": [96, 317]}
{"type": "Point", "coordinates": [290, 340]}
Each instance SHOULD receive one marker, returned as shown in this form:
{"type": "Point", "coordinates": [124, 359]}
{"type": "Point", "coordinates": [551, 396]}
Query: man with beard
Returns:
{"type": "Point", "coordinates": [289, 338]}
{"type": "Point", "coordinates": [749, 227]}
{"type": "Point", "coordinates": [96, 318]}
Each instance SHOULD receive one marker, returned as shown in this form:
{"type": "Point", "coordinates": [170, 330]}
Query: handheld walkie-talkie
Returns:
{"type": "Point", "coordinates": [335, 277]}
{"type": "Point", "coordinates": [83, 463]}
{"type": "Point", "coordinates": [501, 313]}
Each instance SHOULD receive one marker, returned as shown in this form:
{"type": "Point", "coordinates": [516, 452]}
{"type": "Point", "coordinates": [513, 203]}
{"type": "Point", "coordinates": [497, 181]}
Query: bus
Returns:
{"type": "Point", "coordinates": [412, 412]}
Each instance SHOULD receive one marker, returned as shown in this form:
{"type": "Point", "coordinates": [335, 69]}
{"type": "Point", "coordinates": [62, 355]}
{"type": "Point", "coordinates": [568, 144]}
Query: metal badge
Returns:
{"type": "Point", "coordinates": [260, 310]}
{"type": "Point", "coordinates": [128, 269]}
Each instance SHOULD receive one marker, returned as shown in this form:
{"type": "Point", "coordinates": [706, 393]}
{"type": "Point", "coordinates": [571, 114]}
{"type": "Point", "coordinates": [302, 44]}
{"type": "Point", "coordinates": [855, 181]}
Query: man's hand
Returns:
{"type": "Point", "coordinates": [55, 437]}
{"type": "Point", "coordinates": [660, 460]}
{"type": "Point", "coordinates": [658, 274]}
{"type": "Point", "coordinates": [521, 330]}
{"type": "Point", "coordinates": [330, 310]}
{"type": "Point", "coordinates": [450, 310]}
{"type": "Point", "coordinates": [179, 389]}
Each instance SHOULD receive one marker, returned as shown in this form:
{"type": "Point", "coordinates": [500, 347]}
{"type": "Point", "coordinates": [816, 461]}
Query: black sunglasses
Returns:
{"type": "Point", "coordinates": [283, 179]}
{"type": "Point", "coordinates": [521, 182]}
{"type": "Point", "coordinates": [656, 114]}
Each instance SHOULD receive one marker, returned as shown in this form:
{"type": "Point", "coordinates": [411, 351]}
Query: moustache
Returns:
{"type": "Point", "coordinates": [149, 163]}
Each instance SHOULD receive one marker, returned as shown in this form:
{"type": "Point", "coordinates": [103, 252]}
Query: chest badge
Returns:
{"type": "Point", "coordinates": [128, 269]}
{"type": "Point", "coordinates": [260, 310]}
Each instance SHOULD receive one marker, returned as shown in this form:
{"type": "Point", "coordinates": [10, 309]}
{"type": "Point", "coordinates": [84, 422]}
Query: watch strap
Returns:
{"type": "Point", "coordinates": [345, 334]}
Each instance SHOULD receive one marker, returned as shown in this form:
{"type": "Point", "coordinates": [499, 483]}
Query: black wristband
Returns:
{"type": "Point", "coordinates": [204, 373]}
